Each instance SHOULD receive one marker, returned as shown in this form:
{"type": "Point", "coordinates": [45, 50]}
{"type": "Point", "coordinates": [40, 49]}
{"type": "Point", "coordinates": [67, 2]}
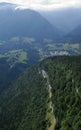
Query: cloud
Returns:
{"type": "Point", "coordinates": [45, 4]}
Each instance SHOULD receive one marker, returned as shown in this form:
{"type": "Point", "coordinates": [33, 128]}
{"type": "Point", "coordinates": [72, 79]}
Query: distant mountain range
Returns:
{"type": "Point", "coordinates": [24, 23]}
{"type": "Point", "coordinates": [74, 36]}
{"type": "Point", "coordinates": [65, 20]}
{"type": "Point", "coordinates": [68, 22]}
{"type": "Point", "coordinates": [61, 24]}
{"type": "Point", "coordinates": [4, 5]}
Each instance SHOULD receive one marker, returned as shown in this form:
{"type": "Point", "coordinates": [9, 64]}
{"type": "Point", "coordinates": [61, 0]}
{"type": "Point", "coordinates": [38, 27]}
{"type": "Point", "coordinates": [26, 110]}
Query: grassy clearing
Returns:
{"type": "Point", "coordinates": [17, 56]}
{"type": "Point", "coordinates": [63, 46]}
{"type": "Point", "coordinates": [2, 56]}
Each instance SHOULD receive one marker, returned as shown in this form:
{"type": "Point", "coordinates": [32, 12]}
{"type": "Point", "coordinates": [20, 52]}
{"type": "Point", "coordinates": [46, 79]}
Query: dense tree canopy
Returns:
{"type": "Point", "coordinates": [23, 106]}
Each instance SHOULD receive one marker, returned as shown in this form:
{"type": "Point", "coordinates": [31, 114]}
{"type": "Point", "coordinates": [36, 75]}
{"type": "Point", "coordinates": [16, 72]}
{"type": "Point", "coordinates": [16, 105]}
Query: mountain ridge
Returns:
{"type": "Point", "coordinates": [7, 5]}
{"type": "Point", "coordinates": [74, 36]}
{"type": "Point", "coordinates": [65, 19]}
{"type": "Point", "coordinates": [25, 23]}
{"type": "Point", "coordinates": [25, 104]}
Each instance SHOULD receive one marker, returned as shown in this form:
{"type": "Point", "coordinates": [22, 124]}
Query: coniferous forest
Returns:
{"type": "Point", "coordinates": [24, 105]}
{"type": "Point", "coordinates": [40, 65]}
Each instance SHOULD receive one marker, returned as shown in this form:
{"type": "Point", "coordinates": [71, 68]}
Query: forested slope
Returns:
{"type": "Point", "coordinates": [24, 106]}
{"type": "Point", "coordinates": [65, 79]}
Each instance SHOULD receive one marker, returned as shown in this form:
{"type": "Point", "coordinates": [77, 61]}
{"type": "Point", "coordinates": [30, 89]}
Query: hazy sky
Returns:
{"type": "Point", "coordinates": [46, 4]}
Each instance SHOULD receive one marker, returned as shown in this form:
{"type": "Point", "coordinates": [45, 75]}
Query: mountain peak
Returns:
{"type": "Point", "coordinates": [27, 23]}
{"type": "Point", "coordinates": [6, 5]}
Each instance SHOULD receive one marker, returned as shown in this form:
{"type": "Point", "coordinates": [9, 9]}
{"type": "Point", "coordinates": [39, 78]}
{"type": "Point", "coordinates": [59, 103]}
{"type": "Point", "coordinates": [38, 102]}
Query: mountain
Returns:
{"type": "Point", "coordinates": [64, 19]}
{"type": "Point", "coordinates": [6, 5]}
{"type": "Point", "coordinates": [74, 36]}
{"type": "Point", "coordinates": [45, 96]}
{"type": "Point", "coordinates": [25, 23]}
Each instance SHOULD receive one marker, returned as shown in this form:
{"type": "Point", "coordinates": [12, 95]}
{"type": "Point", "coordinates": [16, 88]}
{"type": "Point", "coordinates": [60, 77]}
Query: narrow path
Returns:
{"type": "Point", "coordinates": [50, 113]}
{"type": "Point", "coordinates": [76, 89]}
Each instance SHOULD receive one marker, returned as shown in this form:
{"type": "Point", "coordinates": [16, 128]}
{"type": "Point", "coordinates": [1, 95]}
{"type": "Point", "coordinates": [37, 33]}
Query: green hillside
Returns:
{"type": "Point", "coordinates": [46, 96]}
{"type": "Point", "coordinates": [65, 79]}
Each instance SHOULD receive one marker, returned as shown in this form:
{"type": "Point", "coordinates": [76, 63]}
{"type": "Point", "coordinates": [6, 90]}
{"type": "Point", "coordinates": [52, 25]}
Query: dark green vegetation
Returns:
{"type": "Point", "coordinates": [65, 78]}
{"type": "Point", "coordinates": [20, 53]}
{"type": "Point", "coordinates": [9, 74]}
{"type": "Point", "coordinates": [25, 102]}
{"type": "Point", "coordinates": [23, 106]}
{"type": "Point", "coordinates": [15, 56]}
